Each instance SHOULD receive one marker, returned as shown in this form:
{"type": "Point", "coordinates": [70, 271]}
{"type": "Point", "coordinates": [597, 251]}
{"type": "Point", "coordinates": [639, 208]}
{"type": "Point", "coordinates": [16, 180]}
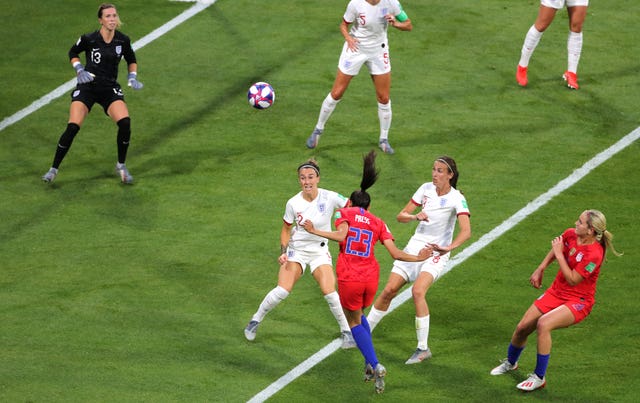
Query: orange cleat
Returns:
{"type": "Point", "coordinates": [521, 76]}
{"type": "Point", "coordinates": [571, 78]}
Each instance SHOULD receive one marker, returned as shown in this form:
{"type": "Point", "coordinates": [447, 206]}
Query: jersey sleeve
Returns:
{"type": "Point", "coordinates": [462, 207]}
{"type": "Point", "coordinates": [289, 214]}
{"type": "Point", "coordinates": [351, 13]}
{"type": "Point", "coordinates": [418, 196]}
{"type": "Point", "coordinates": [77, 47]}
{"type": "Point", "coordinates": [127, 51]}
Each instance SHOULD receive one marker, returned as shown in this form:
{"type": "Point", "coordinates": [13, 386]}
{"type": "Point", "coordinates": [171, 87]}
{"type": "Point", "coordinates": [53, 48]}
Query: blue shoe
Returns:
{"type": "Point", "coordinates": [385, 146]}
{"type": "Point", "coordinates": [314, 138]}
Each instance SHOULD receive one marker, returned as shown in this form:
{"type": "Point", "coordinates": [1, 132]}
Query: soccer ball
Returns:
{"type": "Point", "coordinates": [261, 95]}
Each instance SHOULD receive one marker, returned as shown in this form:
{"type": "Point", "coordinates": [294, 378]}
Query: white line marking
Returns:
{"type": "Point", "coordinates": [66, 87]}
{"type": "Point", "coordinates": [485, 240]}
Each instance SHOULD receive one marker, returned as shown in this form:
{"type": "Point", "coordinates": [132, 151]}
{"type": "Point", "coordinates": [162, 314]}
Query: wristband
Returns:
{"type": "Point", "coordinates": [78, 66]}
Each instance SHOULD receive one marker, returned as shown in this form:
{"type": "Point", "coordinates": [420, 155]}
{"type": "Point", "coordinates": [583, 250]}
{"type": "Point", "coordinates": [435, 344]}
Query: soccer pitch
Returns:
{"type": "Point", "coordinates": [140, 293]}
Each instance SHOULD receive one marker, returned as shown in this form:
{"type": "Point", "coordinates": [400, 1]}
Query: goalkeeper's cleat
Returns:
{"type": "Point", "coordinates": [314, 138]}
{"type": "Point", "coordinates": [521, 76]}
{"type": "Point", "coordinates": [125, 176]}
{"type": "Point", "coordinates": [504, 367]}
{"type": "Point", "coordinates": [50, 175]}
{"type": "Point", "coordinates": [251, 330]}
{"type": "Point", "coordinates": [379, 373]}
{"type": "Point", "coordinates": [418, 356]}
{"type": "Point", "coordinates": [571, 78]}
{"type": "Point", "coordinates": [385, 146]}
{"type": "Point", "coordinates": [533, 382]}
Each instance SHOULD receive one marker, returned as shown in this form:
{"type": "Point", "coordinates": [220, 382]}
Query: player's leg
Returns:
{"type": "Point", "coordinates": [288, 275]}
{"type": "Point", "coordinates": [326, 280]}
{"type": "Point", "coordinates": [577, 15]}
{"type": "Point", "coordinates": [119, 113]}
{"type": "Point", "coordinates": [382, 84]}
{"type": "Point", "coordinates": [546, 14]}
{"type": "Point", "coordinates": [78, 111]}
{"type": "Point", "coordinates": [419, 293]}
{"type": "Point", "coordinates": [381, 305]}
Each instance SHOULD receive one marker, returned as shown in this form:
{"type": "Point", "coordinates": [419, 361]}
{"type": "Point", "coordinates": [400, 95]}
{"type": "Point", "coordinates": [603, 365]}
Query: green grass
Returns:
{"type": "Point", "coordinates": [140, 293]}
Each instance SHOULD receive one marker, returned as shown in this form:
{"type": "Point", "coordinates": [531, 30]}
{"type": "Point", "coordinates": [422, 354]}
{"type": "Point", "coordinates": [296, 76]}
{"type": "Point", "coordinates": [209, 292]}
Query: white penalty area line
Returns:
{"type": "Point", "coordinates": [478, 245]}
{"type": "Point", "coordinates": [66, 87]}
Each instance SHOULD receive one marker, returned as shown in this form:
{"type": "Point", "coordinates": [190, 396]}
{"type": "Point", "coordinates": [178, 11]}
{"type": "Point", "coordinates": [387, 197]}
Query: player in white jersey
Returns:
{"type": "Point", "coordinates": [364, 28]}
{"type": "Point", "coordinates": [299, 249]}
{"type": "Point", "coordinates": [577, 10]}
{"type": "Point", "coordinates": [440, 204]}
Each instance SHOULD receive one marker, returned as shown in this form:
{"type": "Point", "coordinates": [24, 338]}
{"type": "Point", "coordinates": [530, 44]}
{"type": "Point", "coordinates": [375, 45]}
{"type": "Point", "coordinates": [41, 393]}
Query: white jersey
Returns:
{"type": "Point", "coordinates": [441, 212]}
{"type": "Point", "coordinates": [369, 25]}
{"type": "Point", "coordinates": [319, 211]}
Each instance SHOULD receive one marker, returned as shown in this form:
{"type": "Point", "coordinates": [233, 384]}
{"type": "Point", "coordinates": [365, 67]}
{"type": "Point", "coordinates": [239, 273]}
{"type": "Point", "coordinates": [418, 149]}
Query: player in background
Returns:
{"type": "Point", "coordinates": [435, 205]}
{"type": "Point", "coordinates": [299, 249]}
{"type": "Point", "coordinates": [97, 82]}
{"type": "Point", "coordinates": [577, 10]}
{"type": "Point", "coordinates": [358, 271]}
{"type": "Point", "coordinates": [579, 252]}
{"type": "Point", "coordinates": [364, 27]}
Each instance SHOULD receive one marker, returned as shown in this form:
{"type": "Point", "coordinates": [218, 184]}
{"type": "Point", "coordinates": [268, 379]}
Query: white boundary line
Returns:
{"type": "Point", "coordinates": [485, 240]}
{"type": "Point", "coordinates": [66, 87]}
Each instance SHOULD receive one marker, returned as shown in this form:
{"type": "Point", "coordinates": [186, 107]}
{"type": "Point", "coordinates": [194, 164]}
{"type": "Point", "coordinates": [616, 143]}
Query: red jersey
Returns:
{"type": "Point", "coordinates": [356, 260]}
{"type": "Point", "coordinates": [584, 259]}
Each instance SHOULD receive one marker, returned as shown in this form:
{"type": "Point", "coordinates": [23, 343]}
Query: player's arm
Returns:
{"type": "Point", "coordinates": [352, 43]}
{"type": "Point", "coordinates": [399, 254]}
{"type": "Point", "coordinates": [536, 277]}
{"type": "Point", "coordinates": [464, 233]}
{"type": "Point", "coordinates": [572, 276]}
{"type": "Point", "coordinates": [285, 235]}
{"type": "Point", "coordinates": [400, 21]}
{"type": "Point", "coordinates": [338, 235]}
{"type": "Point", "coordinates": [406, 214]}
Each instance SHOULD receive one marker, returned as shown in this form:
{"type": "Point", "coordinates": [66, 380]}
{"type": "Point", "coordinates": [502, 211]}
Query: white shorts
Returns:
{"type": "Point", "coordinates": [558, 4]}
{"type": "Point", "coordinates": [376, 59]}
{"type": "Point", "coordinates": [311, 258]}
{"type": "Point", "coordinates": [436, 265]}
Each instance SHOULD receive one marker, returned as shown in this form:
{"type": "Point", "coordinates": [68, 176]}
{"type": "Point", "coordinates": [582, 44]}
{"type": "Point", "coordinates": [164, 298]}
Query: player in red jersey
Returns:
{"type": "Point", "coordinates": [579, 252]}
{"type": "Point", "coordinates": [358, 271]}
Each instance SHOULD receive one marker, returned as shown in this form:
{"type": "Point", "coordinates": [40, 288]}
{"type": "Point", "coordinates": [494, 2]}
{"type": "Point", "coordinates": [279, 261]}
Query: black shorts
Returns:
{"type": "Point", "coordinates": [91, 93]}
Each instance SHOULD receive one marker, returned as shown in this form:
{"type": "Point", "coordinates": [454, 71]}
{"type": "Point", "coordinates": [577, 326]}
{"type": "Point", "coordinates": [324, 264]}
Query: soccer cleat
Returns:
{"type": "Point", "coordinates": [125, 176]}
{"type": "Point", "coordinates": [418, 356]}
{"type": "Point", "coordinates": [251, 330]}
{"type": "Point", "coordinates": [571, 78]}
{"type": "Point", "coordinates": [369, 373]}
{"type": "Point", "coordinates": [533, 382]}
{"type": "Point", "coordinates": [379, 373]}
{"type": "Point", "coordinates": [50, 175]}
{"type": "Point", "coordinates": [314, 138]}
{"type": "Point", "coordinates": [347, 340]}
{"type": "Point", "coordinates": [385, 146]}
{"type": "Point", "coordinates": [521, 76]}
{"type": "Point", "coordinates": [504, 367]}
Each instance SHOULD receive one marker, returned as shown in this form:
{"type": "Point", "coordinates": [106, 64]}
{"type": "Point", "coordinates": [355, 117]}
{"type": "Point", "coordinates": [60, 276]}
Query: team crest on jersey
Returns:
{"type": "Point", "coordinates": [572, 251]}
{"type": "Point", "coordinates": [443, 202]}
{"type": "Point", "coordinates": [322, 207]}
{"type": "Point", "coordinates": [118, 50]}
{"type": "Point", "coordinates": [579, 257]}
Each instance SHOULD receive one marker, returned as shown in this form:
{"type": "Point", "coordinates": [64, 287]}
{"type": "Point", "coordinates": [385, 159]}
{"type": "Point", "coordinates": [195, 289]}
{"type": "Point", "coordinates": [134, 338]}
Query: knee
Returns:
{"type": "Point", "coordinates": [67, 137]}
{"type": "Point", "coordinates": [124, 124]}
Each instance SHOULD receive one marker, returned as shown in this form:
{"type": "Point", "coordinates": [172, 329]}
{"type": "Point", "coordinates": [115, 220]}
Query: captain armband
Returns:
{"type": "Point", "coordinates": [402, 16]}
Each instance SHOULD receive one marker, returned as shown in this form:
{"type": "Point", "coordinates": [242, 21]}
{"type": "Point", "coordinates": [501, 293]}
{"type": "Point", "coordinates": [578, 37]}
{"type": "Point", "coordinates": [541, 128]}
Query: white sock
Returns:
{"type": "Point", "coordinates": [531, 40]}
{"type": "Point", "coordinates": [574, 49]}
{"type": "Point", "coordinates": [384, 115]}
{"type": "Point", "coordinates": [336, 309]}
{"type": "Point", "coordinates": [374, 317]}
{"type": "Point", "coordinates": [422, 332]}
{"type": "Point", "coordinates": [328, 106]}
{"type": "Point", "coordinates": [270, 301]}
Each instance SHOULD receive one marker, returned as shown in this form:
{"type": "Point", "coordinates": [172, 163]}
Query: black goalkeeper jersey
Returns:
{"type": "Point", "coordinates": [102, 59]}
